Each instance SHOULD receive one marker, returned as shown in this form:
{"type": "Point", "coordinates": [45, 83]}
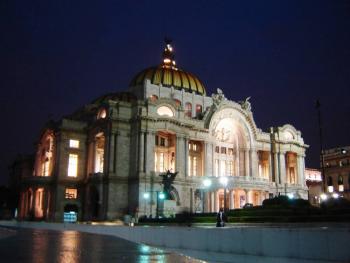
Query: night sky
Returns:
{"type": "Point", "coordinates": [56, 56]}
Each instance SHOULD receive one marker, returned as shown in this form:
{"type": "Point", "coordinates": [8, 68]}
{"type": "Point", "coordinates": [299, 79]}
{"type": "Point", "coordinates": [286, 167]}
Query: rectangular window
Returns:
{"type": "Point", "coordinates": [73, 143]}
{"type": "Point", "coordinates": [217, 149]}
{"type": "Point", "coordinates": [341, 188]}
{"type": "Point", "coordinates": [157, 140]}
{"type": "Point", "coordinates": [162, 141]}
{"type": "Point", "coordinates": [230, 151]}
{"type": "Point", "coordinates": [223, 150]}
{"type": "Point", "coordinates": [73, 165]}
{"type": "Point", "coordinates": [71, 193]}
{"type": "Point", "coordinates": [161, 162]}
{"type": "Point", "coordinates": [194, 166]}
{"type": "Point", "coordinates": [194, 147]}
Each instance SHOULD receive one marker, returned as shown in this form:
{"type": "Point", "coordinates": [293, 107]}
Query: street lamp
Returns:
{"type": "Point", "coordinates": [206, 185]}
{"type": "Point", "coordinates": [224, 180]}
{"type": "Point", "coordinates": [160, 196]}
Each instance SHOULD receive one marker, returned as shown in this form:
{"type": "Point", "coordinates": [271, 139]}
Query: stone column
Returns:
{"type": "Point", "coordinates": [253, 163]}
{"type": "Point", "coordinates": [276, 168]}
{"type": "Point", "coordinates": [282, 166]}
{"type": "Point", "coordinates": [301, 169]}
{"type": "Point", "coordinates": [205, 202]}
{"type": "Point", "coordinates": [246, 162]}
{"type": "Point", "coordinates": [111, 153]}
{"type": "Point", "coordinates": [246, 196]}
{"type": "Point", "coordinates": [212, 201]}
{"type": "Point", "coordinates": [208, 159]}
{"type": "Point", "coordinates": [232, 205]}
{"type": "Point", "coordinates": [180, 152]}
{"type": "Point", "coordinates": [149, 145]}
{"type": "Point", "coordinates": [270, 168]}
{"type": "Point", "coordinates": [236, 164]}
{"type": "Point", "coordinates": [141, 151]}
{"type": "Point", "coordinates": [186, 156]}
{"type": "Point", "coordinates": [216, 205]}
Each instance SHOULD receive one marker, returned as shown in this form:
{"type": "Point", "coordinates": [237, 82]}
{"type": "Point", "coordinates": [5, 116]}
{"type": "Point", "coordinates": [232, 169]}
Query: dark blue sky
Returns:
{"type": "Point", "coordinates": [55, 56]}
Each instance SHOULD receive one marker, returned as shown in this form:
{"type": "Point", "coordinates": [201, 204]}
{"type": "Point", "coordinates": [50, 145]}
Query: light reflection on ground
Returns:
{"type": "Point", "coordinates": [36, 246]}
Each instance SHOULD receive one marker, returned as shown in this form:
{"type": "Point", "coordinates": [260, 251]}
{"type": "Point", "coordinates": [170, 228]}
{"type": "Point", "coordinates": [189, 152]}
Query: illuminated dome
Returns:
{"type": "Point", "coordinates": [167, 74]}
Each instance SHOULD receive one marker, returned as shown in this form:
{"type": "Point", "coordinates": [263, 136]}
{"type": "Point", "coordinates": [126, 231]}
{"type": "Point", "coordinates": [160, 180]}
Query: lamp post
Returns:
{"type": "Point", "coordinates": [224, 180]}
{"type": "Point", "coordinates": [323, 175]}
{"type": "Point", "coordinates": [160, 196]}
{"type": "Point", "coordinates": [206, 185]}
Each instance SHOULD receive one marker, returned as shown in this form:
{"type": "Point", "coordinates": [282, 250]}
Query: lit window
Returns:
{"type": "Point", "coordinates": [194, 147]}
{"type": "Point", "coordinates": [73, 165]}
{"type": "Point", "coordinates": [153, 98]}
{"type": "Point", "coordinates": [161, 162]}
{"type": "Point", "coordinates": [188, 109]}
{"type": "Point", "coordinates": [102, 113]}
{"type": "Point", "coordinates": [341, 188]}
{"type": "Point", "coordinates": [330, 189]}
{"type": "Point", "coordinates": [165, 111]}
{"type": "Point", "coordinates": [198, 110]}
{"type": "Point", "coordinates": [230, 151]}
{"type": "Point", "coordinates": [73, 143]}
{"type": "Point", "coordinates": [194, 166]}
{"type": "Point", "coordinates": [71, 193]}
{"type": "Point", "coordinates": [99, 152]}
{"type": "Point", "coordinates": [223, 150]}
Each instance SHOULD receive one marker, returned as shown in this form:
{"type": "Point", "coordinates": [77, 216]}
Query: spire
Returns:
{"type": "Point", "coordinates": [168, 55]}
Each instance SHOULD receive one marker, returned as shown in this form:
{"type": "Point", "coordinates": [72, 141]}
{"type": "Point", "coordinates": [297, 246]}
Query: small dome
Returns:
{"type": "Point", "coordinates": [167, 74]}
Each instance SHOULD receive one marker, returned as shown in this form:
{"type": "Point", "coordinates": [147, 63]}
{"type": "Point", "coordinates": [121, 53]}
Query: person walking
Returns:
{"type": "Point", "coordinates": [221, 218]}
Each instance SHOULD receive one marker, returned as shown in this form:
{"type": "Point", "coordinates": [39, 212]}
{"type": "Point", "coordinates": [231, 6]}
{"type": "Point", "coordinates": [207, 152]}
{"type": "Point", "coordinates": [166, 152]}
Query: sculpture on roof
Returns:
{"type": "Point", "coordinates": [218, 97]}
{"type": "Point", "coordinates": [245, 104]}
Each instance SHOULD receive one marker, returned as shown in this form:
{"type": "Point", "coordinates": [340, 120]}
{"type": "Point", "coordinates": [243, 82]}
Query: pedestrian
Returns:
{"type": "Point", "coordinates": [221, 218]}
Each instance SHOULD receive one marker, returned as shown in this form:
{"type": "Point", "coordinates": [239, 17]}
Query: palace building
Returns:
{"type": "Point", "coordinates": [104, 160]}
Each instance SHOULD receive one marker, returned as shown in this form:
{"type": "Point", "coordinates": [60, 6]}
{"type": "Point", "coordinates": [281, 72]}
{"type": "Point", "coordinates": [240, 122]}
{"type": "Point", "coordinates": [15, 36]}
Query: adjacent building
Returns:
{"type": "Point", "coordinates": [314, 183]}
{"type": "Point", "coordinates": [103, 161]}
{"type": "Point", "coordinates": [337, 171]}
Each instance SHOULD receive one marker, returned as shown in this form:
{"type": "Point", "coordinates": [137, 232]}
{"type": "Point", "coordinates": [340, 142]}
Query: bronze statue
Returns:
{"type": "Point", "coordinates": [168, 179]}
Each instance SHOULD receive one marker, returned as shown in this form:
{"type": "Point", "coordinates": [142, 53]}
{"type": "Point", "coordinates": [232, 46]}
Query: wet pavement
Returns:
{"type": "Point", "coordinates": [34, 245]}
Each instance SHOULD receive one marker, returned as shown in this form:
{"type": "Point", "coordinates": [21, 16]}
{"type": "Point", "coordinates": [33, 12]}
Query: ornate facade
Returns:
{"type": "Point", "coordinates": [104, 160]}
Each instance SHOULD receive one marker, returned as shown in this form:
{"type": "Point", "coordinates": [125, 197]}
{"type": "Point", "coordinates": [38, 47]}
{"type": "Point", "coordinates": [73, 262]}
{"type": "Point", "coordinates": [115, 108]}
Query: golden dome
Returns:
{"type": "Point", "coordinates": [167, 74]}
{"type": "Point", "coordinates": [170, 77]}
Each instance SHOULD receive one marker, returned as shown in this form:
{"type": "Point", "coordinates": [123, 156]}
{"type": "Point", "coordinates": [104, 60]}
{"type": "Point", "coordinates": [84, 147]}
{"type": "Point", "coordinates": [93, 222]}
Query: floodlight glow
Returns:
{"type": "Point", "coordinates": [323, 197]}
{"type": "Point", "coordinates": [335, 195]}
{"type": "Point", "coordinates": [207, 182]}
{"type": "Point", "coordinates": [145, 195]}
{"type": "Point", "coordinates": [290, 195]}
{"type": "Point", "coordinates": [223, 180]}
{"type": "Point", "coordinates": [161, 195]}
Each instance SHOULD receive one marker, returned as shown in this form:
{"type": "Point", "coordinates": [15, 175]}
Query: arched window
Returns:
{"type": "Point", "coordinates": [340, 183]}
{"type": "Point", "coordinates": [329, 181]}
{"type": "Point", "coordinates": [177, 102]}
{"type": "Point", "coordinates": [340, 179]}
{"type": "Point", "coordinates": [330, 184]}
{"type": "Point", "coordinates": [153, 98]}
{"type": "Point", "coordinates": [102, 113]}
{"type": "Point", "coordinates": [198, 110]}
{"type": "Point", "coordinates": [188, 109]}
